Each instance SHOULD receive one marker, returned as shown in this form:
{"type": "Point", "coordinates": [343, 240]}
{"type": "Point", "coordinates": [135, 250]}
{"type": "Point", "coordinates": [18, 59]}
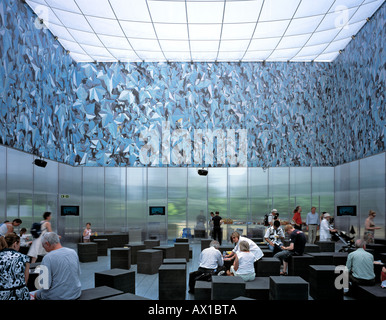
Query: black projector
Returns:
{"type": "Point", "coordinates": [202, 172]}
{"type": "Point", "coordinates": [40, 163]}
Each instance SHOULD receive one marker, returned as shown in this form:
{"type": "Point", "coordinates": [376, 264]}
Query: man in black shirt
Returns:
{"type": "Point", "coordinates": [297, 243]}
{"type": "Point", "coordinates": [217, 231]}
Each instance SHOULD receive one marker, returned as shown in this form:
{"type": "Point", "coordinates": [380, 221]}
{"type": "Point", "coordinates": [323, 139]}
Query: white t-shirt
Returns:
{"type": "Point", "coordinates": [211, 258]}
{"type": "Point", "coordinates": [246, 262]}
{"type": "Point", "coordinates": [253, 248]}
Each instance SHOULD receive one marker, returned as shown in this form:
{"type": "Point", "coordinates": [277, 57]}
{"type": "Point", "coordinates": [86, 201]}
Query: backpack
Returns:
{"type": "Point", "coordinates": [266, 223]}
{"type": "Point", "coordinates": [36, 230]}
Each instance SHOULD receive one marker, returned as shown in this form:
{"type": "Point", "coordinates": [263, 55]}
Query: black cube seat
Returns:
{"type": "Point", "coordinates": [172, 282]}
{"type": "Point", "coordinates": [151, 243]}
{"type": "Point", "coordinates": [322, 283]}
{"type": "Point", "coordinates": [320, 258]}
{"type": "Point", "coordinates": [135, 247]}
{"type": "Point", "coordinates": [299, 265]}
{"type": "Point", "coordinates": [184, 240]}
{"type": "Point", "coordinates": [326, 246]}
{"type": "Point", "coordinates": [310, 247]}
{"type": "Point", "coordinates": [267, 266]}
{"type": "Point", "coordinates": [202, 290]}
{"type": "Point", "coordinates": [375, 292]}
{"type": "Point", "coordinates": [181, 250]}
{"type": "Point", "coordinates": [98, 293]}
{"type": "Point", "coordinates": [148, 261]}
{"type": "Point", "coordinates": [126, 296]}
{"type": "Point", "coordinates": [378, 249]}
{"type": "Point", "coordinates": [167, 251]}
{"type": "Point", "coordinates": [88, 252]}
{"type": "Point", "coordinates": [227, 288]}
{"type": "Point", "coordinates": [121, 279]}
{"type": "Point", "coordinates": [120, 258]}
{"type": "Point", "coordinates": [258, 289]}
{"type": "Point", "coordinates": [288, 288]}
{"type": "Point", "coordinates": [339, 258]}
{"type": "Point", "coordinates": [102, 246]}
{"type": "Point", "coordinates": [174, 261]}
{"type": "Point", "coordinates": [382, 256]}
{"type": "Point", "coordinates": [267, 253]}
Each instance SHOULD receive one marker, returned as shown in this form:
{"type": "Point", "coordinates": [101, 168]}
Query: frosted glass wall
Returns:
{"type": "Point", "coordinates": [117, 199]}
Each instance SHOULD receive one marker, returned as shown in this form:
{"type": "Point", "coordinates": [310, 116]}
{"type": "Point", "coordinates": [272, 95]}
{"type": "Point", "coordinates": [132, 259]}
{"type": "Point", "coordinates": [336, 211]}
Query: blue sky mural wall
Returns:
{"type": "Point", "coordinates": [103, 114]}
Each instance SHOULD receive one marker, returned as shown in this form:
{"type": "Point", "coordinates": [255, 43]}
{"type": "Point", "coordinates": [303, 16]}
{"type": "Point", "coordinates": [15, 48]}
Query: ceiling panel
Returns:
{"type": "Point", "coordinates": [204, 30]}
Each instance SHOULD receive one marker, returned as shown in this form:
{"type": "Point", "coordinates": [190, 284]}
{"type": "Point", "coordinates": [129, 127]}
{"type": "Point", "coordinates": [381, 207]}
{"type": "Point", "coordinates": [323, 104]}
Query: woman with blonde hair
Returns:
{"type": "Point", "coordinates": [370, 227]}
{"type": "Point", "coordinates": [243, 265]}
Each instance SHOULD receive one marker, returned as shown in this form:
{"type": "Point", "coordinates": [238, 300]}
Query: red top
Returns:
{"type": "Point", "coordinates": [297, 218]}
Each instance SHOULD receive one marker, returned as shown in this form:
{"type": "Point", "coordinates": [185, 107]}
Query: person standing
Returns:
{"type": "Point", "coordinates": [325, 228]}
{"type": "Point", "coordinates": [217, 230]}
{"type": "Point", "coordinates": [297, 219]}
{"type": "Point", "coordinates": [370, 227]}
{"type": "Point", "coordinates": [313, 223]}
{"type": "Point", "coordinates": [36, 249]}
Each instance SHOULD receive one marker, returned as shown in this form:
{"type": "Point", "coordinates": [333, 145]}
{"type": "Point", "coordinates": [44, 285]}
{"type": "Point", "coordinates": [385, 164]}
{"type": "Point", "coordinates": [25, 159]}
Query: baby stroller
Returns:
{"type": "Point", "coordinates": [347, 240]}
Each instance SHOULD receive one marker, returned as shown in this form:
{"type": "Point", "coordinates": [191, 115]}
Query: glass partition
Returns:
{"type": "Point", "coordinates": [118, 199]}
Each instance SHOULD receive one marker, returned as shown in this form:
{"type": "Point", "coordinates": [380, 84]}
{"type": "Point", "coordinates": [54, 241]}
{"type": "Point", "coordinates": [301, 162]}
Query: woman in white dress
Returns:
{"type": "Point", "coordinates": [36, 248]}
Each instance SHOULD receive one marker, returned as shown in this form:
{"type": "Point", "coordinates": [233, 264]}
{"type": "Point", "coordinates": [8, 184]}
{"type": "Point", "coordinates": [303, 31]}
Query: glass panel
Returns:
{"type": "Point", "coordinates": [347, 193]}
{"type": "Point", "coordinates": [218, 196]}
{"type": "Point", "coordinates": [238, 199]}
{"type": "Point", "coordinates": [93, 198]}
{"type": "Point", "coordinates": [300, 190]}
{"type": "Point", "coordinates": [19, 186]}
{"type": "Point", "coordinates": [70, 193]}
{"type": "Point", "coordinates": [157, 196]}
{"type": "Point", "coordinates": [323, 189]}
{"type": "Point", "coordinates": [198, 201]}
{"type": "Point", "coordinates": [177, 203]}
{"type": "Point", "coordinates": [115, 211]}
{"type": "Point", "coordinates": [372, 192]}
{"type": "Point", "coordinates": [279, 192]}
{"type": "Point", "coordinates": [137, 211]}
{"type": "Point", "coordinates": [3, 181]}
{"type": "Point", "coordinates": [258, 200]}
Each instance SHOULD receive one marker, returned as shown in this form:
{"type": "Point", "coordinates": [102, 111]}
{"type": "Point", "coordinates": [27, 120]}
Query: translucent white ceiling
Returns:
{"type": "Point", "coordinates": [204, 30]}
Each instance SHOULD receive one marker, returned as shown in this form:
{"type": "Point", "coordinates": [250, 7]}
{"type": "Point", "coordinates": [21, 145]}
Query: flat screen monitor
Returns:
{"type": "Point", "coordinates": [157, 211]}
{"type": "Point", "coordinates": [342, 211]}
{"type": "Point", "coordinates": [69, 210]}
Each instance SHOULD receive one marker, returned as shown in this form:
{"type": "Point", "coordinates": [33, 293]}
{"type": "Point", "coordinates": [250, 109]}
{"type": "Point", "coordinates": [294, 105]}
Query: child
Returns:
{"type": "Point", "coordinates": [87, 232]}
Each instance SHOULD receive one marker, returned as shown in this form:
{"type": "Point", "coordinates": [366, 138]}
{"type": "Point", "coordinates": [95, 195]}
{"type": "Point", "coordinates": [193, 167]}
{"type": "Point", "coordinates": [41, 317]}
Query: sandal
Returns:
{"type": "Point", "coordinates": [283, 273]}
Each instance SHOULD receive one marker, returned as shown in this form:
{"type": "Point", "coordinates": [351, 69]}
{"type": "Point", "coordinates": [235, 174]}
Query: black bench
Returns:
{"type": "Point", "coordinates": [326, 246]}
{"type": "Point", "coordinates": [174, 261]}
{"type": "Point", "coordinates": [126, 296]}
{"type": "Point", "coordinates": [258, 289]}
{"type": "Point", "coordinates": [227, 287]}
{"type": "Point", "coordinates": [339, 258]}
{"type": "Point", "coordinates": [288, 288]}
{"type": "Point", "coordinates": [120, 279]}
{"type": "Point", "coordinates": [149, 261]}
{"type": "Point", "coordinates": [202, 290]}
{"type": "Point", "coordinates": [172, 282]}
{"type": "Point", "coordinates": [98, 293]}
{"type": "Point", "coordinates": [375, 292]}
{"type": "Point", "coordinates": [102, 246]}
{"type": "Point", "coordinates": [322, 283]}
{"type": "Point", "coordinates": [168, 251]}
{"type": "Point", "coordinates": [310, 247]}
{"type": "Point", "coordinates": [88, 252]}
{"type": "Point", "coordinates": [135, 247]}
{"type": "Point", "coordinates": [267, 266]}
{"type": "Point", "coordinates": [322, 258]}
{"type": "Point", "coordinates": [299, 266]}
{"type": "Point", "coordinates": [151, 243]}
{"type": "Point", "coordinates": [120, 258]}
{"type": "Point", "coordinates": [181, 250]}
